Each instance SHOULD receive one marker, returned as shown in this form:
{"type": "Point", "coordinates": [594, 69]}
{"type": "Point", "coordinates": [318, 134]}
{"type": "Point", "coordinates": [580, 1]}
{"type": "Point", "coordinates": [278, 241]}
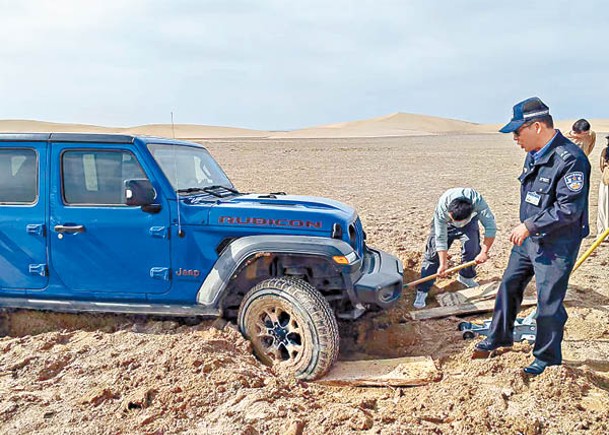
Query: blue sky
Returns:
{"type": "Point", "coordinates": [272, 64]}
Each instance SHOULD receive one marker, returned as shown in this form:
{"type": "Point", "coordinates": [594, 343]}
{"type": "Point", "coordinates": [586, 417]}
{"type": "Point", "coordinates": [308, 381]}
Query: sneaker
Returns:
{"type": "Point", "coordinates": [419, 300]}
{"type": "Point", "coordinates": [536, 367]}
{"type": "Point", "coordinates": [467, 282]}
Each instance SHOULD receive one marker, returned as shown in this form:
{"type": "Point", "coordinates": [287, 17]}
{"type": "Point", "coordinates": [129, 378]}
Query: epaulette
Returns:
{"type": "Point", "coordinates": [563, 153]}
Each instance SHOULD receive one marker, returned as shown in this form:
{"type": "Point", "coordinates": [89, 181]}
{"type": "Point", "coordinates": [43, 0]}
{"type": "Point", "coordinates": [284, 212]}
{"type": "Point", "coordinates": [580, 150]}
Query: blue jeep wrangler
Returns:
{"type": "Point", "coordinates": [123, 224]}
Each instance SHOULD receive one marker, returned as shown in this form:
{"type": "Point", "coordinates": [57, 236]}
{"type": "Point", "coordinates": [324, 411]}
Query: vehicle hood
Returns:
{"type": "Point", "coordinates": [282, 212]}
{"type": "Point", "coordinates": [215, 220]}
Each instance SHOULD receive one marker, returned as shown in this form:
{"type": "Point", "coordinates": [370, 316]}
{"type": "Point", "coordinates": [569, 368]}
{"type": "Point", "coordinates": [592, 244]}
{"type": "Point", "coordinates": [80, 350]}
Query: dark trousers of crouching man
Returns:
{"type": "Point", "coordinates": [551, 264]}
{"type": "Point", "coordinates": [469, 236]}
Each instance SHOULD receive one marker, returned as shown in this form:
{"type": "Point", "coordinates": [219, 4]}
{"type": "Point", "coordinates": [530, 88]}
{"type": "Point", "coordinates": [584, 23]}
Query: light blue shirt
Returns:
{"type": "Point", "coordinates": [538, 154]}
{"type": "Point", "coordinates": [441, 217]}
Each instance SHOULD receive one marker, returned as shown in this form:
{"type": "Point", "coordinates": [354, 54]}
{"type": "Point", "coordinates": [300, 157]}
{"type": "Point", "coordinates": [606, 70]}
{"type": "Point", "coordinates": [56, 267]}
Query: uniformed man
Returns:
{"type": "Point", "coordinates": [456, 218]}
{"type": "Point", "coordinates": [554, 220]}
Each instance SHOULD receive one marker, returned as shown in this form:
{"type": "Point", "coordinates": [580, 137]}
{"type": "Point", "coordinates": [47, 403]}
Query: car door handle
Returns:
{"type": "Point", "coordinates": [70, 228]}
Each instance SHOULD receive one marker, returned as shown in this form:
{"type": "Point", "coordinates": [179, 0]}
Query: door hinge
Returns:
{"type": "Point", "coordinates": [38, 269]}
{"type": "Point", "coordinates": [35, 229]}
{"type": "Point", "coordinates": [160, 273]}
{"type": "Point", "coordinates": [159, 232]}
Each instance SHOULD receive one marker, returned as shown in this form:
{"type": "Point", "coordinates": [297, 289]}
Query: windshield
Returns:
{"type": "Point", "coordinates": [189, 167]}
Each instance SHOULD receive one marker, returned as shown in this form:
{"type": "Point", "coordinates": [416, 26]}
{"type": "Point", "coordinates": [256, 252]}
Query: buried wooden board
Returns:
{"type": "Point", "coordinates": [592, 353]}
{"type": "Point", "coordinates": [467, 308]}
{"type": "Point", "coordinates": [393, 372]}
{"type": "Point", "coordinates": [469, 295]}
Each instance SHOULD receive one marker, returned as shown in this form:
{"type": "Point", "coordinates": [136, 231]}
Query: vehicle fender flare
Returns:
{"type": "Point", "coordinates": [236, 253]}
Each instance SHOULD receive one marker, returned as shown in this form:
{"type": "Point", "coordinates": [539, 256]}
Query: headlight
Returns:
{"type": "Point", "coordinates": [345, 259]}
{"type": "Point", "coordinates": [352, 257]}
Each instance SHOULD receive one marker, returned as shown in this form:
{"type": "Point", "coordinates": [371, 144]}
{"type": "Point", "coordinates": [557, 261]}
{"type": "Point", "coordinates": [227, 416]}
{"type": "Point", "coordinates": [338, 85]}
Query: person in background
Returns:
{"type": "Point", "coordinates": [582, 136]}
{"type": "Point", "coordinates": [602, 220]}
{"type": "Point", "coordinates": [456, 218]}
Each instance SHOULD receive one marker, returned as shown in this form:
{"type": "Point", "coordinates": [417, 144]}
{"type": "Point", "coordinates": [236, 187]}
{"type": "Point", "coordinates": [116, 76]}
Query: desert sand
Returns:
{"type": "Point", "coordinates": [114, 374]}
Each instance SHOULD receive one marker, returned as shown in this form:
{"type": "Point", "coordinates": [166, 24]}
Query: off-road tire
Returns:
{"type": "Point", "coordinates": [308, 319]}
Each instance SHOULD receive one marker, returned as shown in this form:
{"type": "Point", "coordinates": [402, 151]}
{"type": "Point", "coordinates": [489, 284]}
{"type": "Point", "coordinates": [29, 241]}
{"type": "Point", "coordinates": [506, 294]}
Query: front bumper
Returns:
{"type": "Point", "coordinates": [381, 281]}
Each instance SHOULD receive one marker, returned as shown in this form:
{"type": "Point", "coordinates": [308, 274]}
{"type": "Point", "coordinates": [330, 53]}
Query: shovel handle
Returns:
{"type": "Point", "coordinates": [435, 275]}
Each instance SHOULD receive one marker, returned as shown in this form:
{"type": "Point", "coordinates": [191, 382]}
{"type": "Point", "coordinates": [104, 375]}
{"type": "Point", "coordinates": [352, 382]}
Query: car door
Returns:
{"type": "Point", "coordinates": [23, 234]}
{"type": "Point", "coordinates": [101, 248]}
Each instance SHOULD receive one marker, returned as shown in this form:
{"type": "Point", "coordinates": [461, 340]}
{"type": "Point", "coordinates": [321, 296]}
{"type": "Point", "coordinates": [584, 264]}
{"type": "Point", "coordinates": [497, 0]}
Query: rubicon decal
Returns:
{"type": "Point", "coordinates": [295, 223]}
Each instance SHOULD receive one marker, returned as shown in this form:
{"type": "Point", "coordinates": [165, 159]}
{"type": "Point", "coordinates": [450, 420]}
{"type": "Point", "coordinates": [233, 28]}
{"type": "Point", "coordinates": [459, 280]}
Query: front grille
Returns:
{"type": "Point", "coordinates": [353, 236]}
{"type": "Point", "coordinates": [358, 241]}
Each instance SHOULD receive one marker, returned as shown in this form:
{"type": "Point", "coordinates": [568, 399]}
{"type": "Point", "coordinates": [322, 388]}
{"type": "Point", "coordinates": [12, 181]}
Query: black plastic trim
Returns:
{"type": "Point", "coordinates": [381, 284]}
{"type": "Point", "coordinates": [91, 137]}
{"type": "Point", "coordinates": [24, 137]}
{"type": "Point", "coordinates": [67, 137]}
{"type": "Point", "coordinates": [210, 292]}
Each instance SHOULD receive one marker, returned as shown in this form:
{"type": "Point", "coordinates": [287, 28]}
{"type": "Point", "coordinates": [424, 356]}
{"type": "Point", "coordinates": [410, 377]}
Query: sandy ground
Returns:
{"type": "Point", "coordinates": [110, 374]}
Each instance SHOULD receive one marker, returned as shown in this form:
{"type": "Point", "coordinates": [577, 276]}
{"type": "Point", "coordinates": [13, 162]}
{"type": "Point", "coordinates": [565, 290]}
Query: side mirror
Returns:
{"type": "Point", "coordinates": [139, 192]}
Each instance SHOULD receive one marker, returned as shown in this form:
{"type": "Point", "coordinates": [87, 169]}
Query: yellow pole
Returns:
{"type": "Point", "coordinates": [591, 249]}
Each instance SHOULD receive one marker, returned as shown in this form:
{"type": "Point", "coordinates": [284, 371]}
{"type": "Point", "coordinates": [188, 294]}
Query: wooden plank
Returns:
{"type": "Point", "coordinates": [593, 353]}
{"type": "Point", "coordinates": [458, 310]}
{"type": "Point", "coordinates": [469, 295]}
{"type": "Point", "coordinates": [394, 372]}
{"type": "Point", "coordinates": [467, 308]}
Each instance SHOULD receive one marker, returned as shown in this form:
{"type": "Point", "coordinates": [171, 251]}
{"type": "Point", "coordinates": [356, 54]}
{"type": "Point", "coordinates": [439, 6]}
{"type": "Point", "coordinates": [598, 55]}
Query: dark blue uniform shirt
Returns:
{"type": "Point", "coordinates": [554, 192]}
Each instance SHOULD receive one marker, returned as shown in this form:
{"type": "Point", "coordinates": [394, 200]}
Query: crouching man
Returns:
{"type": "Point", "coordinates": [456, 218]}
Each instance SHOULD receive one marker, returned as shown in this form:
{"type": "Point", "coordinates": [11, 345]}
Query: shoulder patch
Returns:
{"type": "Point", "coordinates": [575, 181]}
{"type": "Point", "coordinates": [562, 152]}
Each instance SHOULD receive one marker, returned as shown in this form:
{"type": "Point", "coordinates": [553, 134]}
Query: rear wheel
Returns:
{"type": "Point", "coordinates": [291, 326]}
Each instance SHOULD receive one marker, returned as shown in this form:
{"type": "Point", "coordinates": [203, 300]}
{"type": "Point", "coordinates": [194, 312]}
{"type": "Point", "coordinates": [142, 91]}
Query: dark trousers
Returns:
{"type": "Point", "coordinates": [551, 264]}
{"type": "Point", "coordinates": [469, 236]}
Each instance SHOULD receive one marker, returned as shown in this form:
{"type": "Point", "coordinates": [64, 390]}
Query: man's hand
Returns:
{"type": "Point", "coordinates": [442, 270]}
{"type": "Point", "coordinates": [486, 246]}
{"type": "Point", "coordinates": [518, 234]}
{"type": "Point", "coordinates": [443, 257]}
{"type": "Point", "coordinates": [481, 258]}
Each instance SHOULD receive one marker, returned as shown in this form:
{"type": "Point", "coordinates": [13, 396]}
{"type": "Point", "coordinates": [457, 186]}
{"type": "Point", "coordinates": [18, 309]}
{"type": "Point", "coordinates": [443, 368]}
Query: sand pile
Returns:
{"type": "Point", "coordinates": [135, 376]}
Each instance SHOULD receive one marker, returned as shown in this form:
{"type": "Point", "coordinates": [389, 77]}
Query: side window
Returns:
{"type": "Point", "coordinates": [18, 176]}
{"type": "Point", "coordinates": [97, 177]}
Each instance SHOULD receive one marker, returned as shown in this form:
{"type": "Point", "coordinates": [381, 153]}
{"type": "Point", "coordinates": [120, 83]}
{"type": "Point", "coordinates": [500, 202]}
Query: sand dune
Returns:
{"type": "Point", "coordinates": [192, 131]}
{"type": "Point", "coordinates": [393, 125]}
{"type": "Point", "coordinates": [182, 131]}
{"type": "Point", "coordinates": [26, 126]}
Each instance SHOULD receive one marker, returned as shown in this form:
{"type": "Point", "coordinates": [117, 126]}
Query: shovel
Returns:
{"type": "Point", "coordinates": [434, 276]}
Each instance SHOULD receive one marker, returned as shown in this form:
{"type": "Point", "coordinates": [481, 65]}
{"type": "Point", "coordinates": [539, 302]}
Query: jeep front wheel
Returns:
{"type": "Point", "coordinates": [291, 326]}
